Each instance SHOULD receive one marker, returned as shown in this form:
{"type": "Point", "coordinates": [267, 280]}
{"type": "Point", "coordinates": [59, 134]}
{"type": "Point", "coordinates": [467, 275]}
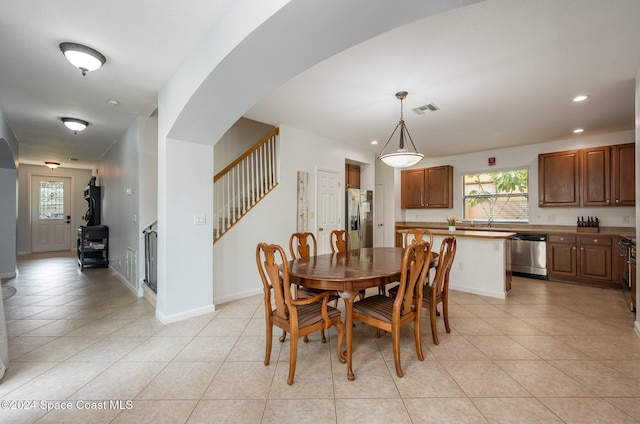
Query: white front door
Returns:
{"type": "Point", "coordinates": [50, 214]}
{"type": "Point", "coordinates": [330, 207]}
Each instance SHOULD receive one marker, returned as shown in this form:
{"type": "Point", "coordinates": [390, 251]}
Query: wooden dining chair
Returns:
{"type": "Point", "coordinates": [299, 317]}
{"type": "Point", "coordinates": [304, 245]}
{"type": "Point", "coordinates": [392, 314]}
{"type": "Point", "coordinates": [438, 291]}
{"type": "Point", "coordinates": [340, 241]}
{"type": "Point", "coordinates": [417, 234]}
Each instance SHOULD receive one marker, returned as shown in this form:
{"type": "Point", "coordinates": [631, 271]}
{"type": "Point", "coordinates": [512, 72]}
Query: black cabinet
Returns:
{"type": "Point", "coordinates": [93, 246]}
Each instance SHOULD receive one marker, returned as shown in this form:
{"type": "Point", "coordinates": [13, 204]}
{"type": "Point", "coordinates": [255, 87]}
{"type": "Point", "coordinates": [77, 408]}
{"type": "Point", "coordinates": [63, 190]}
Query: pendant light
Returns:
{"type": "Point", "coordinates": [82, 57]}
{"type": "Point", "coordinates": [402, 157]}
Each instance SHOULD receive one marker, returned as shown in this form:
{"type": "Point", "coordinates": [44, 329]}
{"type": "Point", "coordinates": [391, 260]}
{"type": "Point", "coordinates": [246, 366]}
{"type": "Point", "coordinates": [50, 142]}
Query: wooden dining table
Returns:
{"type": "Point", "coordinates": [349, 273]}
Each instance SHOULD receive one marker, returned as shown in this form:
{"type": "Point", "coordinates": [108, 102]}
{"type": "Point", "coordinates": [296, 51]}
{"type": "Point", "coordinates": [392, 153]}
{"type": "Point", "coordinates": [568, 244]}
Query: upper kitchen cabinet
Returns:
{"type": "Point", "coordinates": [624, 174]}
{"type": "Point", "coordinates": [596, 176]}
{"type": "Point", "coordinates": [427, 188]}
{"type": "Point", "coordinates": [352, 176]}
{"type": "Point", "coordinates": [599, 176]}
{"type": "Point", "coordinates": [559, 178]}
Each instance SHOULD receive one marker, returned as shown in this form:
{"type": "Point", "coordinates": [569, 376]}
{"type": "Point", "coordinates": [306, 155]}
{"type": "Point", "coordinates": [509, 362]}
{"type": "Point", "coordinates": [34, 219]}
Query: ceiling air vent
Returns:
{"type": "Point", "coordinates": [426, 108]}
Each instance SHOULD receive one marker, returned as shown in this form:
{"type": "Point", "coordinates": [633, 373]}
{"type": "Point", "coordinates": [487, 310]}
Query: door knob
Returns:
{"type": "Point", "coordinates": [320, 229]}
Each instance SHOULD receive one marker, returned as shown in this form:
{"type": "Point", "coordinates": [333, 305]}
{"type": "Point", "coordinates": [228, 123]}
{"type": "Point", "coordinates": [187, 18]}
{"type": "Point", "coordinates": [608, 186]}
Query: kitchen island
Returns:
{"type": "Point", "coordinates": [483, 260]}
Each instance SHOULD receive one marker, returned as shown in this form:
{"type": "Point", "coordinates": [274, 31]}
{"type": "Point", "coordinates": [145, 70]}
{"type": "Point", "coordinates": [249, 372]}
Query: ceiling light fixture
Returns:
{"type": "Point", "coordinates": [52, 165]}
{"type": "Point", "coordinates": [578, 130]}
{"type": "Point", "coordinates": [82, 57]}
{"type": "Point", "coordinates": [74, 124]}
{"type": "Point", "coordinates": [402, 157]}
{"type": "Point", "coordinates": [581, 98]}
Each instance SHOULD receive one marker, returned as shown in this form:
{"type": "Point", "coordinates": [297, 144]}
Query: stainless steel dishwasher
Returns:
{"type": "Point", "coordinates": [529, 255]}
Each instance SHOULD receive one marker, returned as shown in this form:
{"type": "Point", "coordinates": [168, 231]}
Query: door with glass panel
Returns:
{"type": "Point", "coordinates": [50, 214]}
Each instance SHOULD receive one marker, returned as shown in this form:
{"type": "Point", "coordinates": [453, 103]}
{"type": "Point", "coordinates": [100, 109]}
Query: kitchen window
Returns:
{"type": "Point", "coordinates": [501, 196]}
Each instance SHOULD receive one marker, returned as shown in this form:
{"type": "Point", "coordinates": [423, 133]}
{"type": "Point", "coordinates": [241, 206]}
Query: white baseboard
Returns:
{"type": "Point", "coordinates": [9, 275]}
{"type": "Point", "coordinates": [168, 319]}
{"type": "Point", "coordinates": [636, 326]}
{"type": "Point", "coordinates": [236, 296]}
{"type": "Point", "coordinates": [149, 295]}
{"type": "Point", "coordinates": [473, 290]}
{"type": "Point", "coordinates": [125, 282]}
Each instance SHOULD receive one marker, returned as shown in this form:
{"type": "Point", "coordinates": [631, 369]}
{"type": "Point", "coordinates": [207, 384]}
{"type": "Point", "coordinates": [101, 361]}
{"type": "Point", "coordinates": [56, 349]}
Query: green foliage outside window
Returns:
{"type": "Point", "coordinates": [501, 196]}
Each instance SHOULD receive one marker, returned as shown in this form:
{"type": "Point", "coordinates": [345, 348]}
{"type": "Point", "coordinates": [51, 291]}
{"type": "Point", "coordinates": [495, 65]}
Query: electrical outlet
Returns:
{"type": "Point", "coordinates": [460, 266]}
{"type": "Point", "coordinates": [625, 219]}
{"type": "Point", "coordinates": [497, 247]}
{"type": "Point", "coordinates": [551, 218]}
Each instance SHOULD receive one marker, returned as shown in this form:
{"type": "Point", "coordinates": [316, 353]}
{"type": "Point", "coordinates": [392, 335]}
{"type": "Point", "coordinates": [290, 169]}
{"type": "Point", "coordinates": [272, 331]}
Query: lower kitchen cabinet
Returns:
{"type": "Point", "coordinates": [581, 258]}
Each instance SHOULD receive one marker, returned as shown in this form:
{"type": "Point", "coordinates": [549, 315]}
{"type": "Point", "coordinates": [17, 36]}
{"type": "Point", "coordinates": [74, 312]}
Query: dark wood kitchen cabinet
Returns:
{"type": "Point", "coordinates": [598, 176]}
{"type": "Point", "coordinates": [427, 188]}
{"type": "Point", "coordinates": [581, 258]}
{"type": "Point", "coordinates": [562, 256]}
{"type": "Point", "coordinates": [352, 176]}
{"type": "Point", "coordinates": [624, 174]}
{"type": "Point", "coordinates": [559, 178]}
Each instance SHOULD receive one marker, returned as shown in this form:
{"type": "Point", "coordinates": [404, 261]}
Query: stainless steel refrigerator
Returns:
{"type": "Point", "coordinates": [359, 217]}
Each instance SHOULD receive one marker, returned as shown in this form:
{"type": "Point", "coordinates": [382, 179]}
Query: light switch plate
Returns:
{"type": "Point", "coordinates": [200, 219]}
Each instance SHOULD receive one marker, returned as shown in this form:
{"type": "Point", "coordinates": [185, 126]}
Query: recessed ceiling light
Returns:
{"type": "Point", "coordinates": [578, 130]}
{"type": "Point", "coordinates": [374, 142]}
{"type": "Point", "coordinates": [581, 98]}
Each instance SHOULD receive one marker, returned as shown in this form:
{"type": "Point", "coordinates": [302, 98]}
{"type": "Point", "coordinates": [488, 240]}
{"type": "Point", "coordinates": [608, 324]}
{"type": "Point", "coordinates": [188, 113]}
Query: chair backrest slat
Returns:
{"type": "Point", "coordinates": [340, 241]}
{"type": "Point", "coordinates": [302, 245]}
{"type": "Point", "coordinates": [445, 262]}
{"type": "Point", "coordinates": [275, 277]}
{"type": "Point", "coordinates": [415, 266]}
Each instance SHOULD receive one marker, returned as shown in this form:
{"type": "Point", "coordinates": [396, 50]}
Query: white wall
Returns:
{"type": "Point", "coordinates": [243, 135]}
{"type": "Point", "coordinates": [118, 172]}
{"type": "Point", "coordinates": [525, 156]}
{"type": "Point", "coordinates": [8, 179]}
{"type": "Point", "coordinates": [274, 218]}
{"type": "Point", "coordinates": [79, 180]}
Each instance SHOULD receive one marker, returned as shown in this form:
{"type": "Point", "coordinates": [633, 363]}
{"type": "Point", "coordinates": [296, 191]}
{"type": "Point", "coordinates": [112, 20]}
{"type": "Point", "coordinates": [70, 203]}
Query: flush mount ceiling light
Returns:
{"type": "Point", "coordinates": [402, 157]}
{"type": "Point", "coordinates": [82, 57]}
{"type": "Point", "coordinates": [74, 124]}
{"type": "Point", "coordinates": [580, 98]}
{"type": "Point", "coordinates": [578, 130]}
{"type": "Point", "coordinates": [52, 165]}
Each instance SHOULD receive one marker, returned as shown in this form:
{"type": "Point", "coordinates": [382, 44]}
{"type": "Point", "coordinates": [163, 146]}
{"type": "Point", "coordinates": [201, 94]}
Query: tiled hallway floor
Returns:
{"type": "Point", "coordinates": [550, 353]}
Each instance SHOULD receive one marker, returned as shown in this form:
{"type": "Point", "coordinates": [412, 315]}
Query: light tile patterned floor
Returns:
{"type": "Point", "coordinates": [550, 353]}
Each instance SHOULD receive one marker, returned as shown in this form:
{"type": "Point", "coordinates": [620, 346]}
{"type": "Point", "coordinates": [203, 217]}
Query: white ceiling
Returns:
{"type": "Point", "coordinates": [502, 73]}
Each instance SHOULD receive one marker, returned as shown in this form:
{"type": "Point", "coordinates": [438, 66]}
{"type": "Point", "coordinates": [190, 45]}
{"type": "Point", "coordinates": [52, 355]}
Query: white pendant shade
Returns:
{"type": "Point", "coordinates": [82, 57]}
{"type": "Point", "coordinates": [401, 159]}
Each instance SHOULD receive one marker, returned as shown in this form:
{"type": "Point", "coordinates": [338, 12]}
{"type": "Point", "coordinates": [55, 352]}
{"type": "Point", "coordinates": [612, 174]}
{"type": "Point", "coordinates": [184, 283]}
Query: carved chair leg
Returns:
{"type": "Point", "coordinates": [445, 315]}
{"type": "Point", "coordinates": [340, 328]}
{"type": "Point", "coordinates": [323, 339]}
{"type": "Point", "coordinates": [432, 318]}
{"type": "Point", "coordinates": [267, 354]}
{"type": "Point", "coordinates": [293, 354]}
{"type": "Point", "coordinates": [283, 337]}
{"type": "Point", "coordinates": [395, 340]}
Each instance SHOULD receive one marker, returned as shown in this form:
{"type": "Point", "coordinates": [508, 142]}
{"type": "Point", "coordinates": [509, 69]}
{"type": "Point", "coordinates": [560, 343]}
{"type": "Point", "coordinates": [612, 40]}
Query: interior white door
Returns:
{"type": "Point", "coordinates": [378, 216]}
{"type": "Point", "coordinates": [50, 213]}
{"type": "Point", "coordinates": [330, 195]}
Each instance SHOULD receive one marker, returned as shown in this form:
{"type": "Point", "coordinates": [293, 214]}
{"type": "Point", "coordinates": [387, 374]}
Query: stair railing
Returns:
{"type": "Point", "coordinates": [243, 183]}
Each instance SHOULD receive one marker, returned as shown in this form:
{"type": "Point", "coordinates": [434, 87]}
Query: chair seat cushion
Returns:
{"type": "Point", "coordinates": [377, 306]}
{"type": "Point", "coordinates": [304, 292]}
{"type": "Point", "coordinates": [312, 313]}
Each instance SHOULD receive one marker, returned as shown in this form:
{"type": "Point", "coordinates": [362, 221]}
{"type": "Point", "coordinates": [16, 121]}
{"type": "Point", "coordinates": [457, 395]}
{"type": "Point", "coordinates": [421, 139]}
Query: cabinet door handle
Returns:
{"type": "Point", "coordinates": [582, 248]}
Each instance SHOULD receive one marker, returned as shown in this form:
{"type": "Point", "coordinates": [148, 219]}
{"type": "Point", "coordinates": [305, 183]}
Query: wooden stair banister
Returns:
{"type": "Point", "coordinates": [244, 182]}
